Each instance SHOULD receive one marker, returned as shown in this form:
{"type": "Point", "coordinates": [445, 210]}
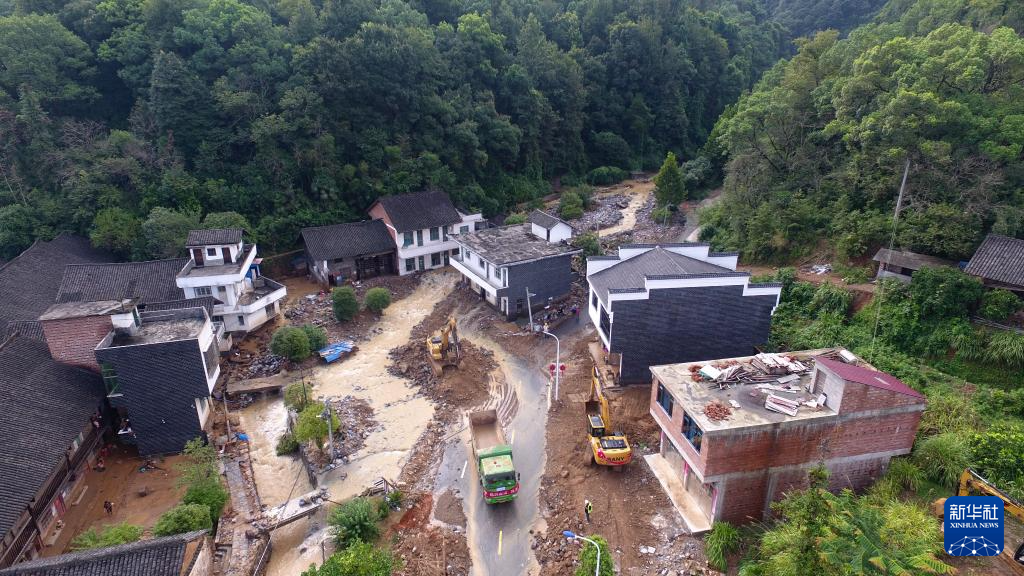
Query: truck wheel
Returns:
{"type": "Point", "coordinates": [593, 460]}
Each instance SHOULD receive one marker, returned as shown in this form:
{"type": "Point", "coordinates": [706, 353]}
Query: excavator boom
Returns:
{"type": "Point", "coordinates": [608, 448]}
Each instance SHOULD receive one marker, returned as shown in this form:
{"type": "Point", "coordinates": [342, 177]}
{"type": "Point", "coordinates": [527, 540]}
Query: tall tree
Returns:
{"type": "Point", "coordinates": [669, 187]}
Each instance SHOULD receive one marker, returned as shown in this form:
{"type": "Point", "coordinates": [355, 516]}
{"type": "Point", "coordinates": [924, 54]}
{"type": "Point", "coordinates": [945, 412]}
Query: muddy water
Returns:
{"type": "Point", "coordinates": [639, 193]}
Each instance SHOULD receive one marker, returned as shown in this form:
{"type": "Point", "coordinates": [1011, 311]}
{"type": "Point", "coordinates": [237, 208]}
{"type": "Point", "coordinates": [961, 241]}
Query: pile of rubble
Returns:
{"type": "Point", "coordinates": [357, 422]}
{"type": "Point", "coordinates": [717, 410]}
{"type": "Point", "coordinates": [605, 212]}
{"type": "Point", "coordinates": [263, 365]}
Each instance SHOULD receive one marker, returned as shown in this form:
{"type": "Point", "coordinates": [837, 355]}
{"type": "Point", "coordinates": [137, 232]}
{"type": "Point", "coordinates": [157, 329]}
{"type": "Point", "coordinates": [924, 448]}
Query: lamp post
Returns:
{"type": "Point", "coordinates": [573, 536]}
{"type": "Point", "coordinates": [558, 364]}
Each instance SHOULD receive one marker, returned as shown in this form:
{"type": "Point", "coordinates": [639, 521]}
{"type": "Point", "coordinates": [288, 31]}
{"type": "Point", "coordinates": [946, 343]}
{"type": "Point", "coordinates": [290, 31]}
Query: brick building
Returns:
{"type": "Point", "coordinates": [657, 304]}
{"type": "Point", "coordinates": [787, 414]}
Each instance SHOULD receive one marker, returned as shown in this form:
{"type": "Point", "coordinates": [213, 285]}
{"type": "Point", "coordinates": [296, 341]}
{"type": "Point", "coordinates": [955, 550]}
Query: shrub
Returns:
{"type": "Point", "coordinates": [998, 455]}
{"type": "Point", "coordinates": [905, 474]}
{"type": "Point", "coordinates": [999, 304]}
{"type": "Point", "coordinates": [395, 498]}
{"type": "Point", "coordinates": [287, 444]}
{"type": "Point", "coordinates": [1007, 348]}
{"type": "Point", "coordinates": [605, 175]}
{"type": "Point", "coordinates": [589, 243]}
{"type": "Point", "coordinates": [517, 218]}
{"type": "Point", "coordinates": [588, 558]}
{"type": "Point", "coordinates": [383, 508]}
{"type": "Point", "coordinates": [311, 425]}
{"type": "Point", "coordinates": [661, 214]}
{"type": "Point", "coordinates": [948, 411]}
{"type": "Point", "coordinates": [359, 559]}
{"type": "Point", "coordinates": [109, 536]}
{"type": "Point", "coordinates": [720, 541]}
{"type": "Point", "coordinates": [942, 458]}
{"type": "Point", "coordinates": [570, 205]}
{"type": "Point", "coordinates": [830, 299]}
{"type": "Point", "coordinates": [183, 518]}
{"type": "Point", "coordinates": [200, 465]}
{"type": "Point", "coordinates": [316, 335]}
{"type": "Point", "coordinates": [210, 493]}
{"type": "Point", "coordinates": [355, 520]}
{"type": "Point", "coordinates": [944, 292]}
{"type": "Point", "coordinates": [377, 299]}
{"type": "Point", "coordinates": [344, 303]}
{"type": "Point", "coordinates": [291, 343]}
{"type": "Point", "coordinates": [297, 396]}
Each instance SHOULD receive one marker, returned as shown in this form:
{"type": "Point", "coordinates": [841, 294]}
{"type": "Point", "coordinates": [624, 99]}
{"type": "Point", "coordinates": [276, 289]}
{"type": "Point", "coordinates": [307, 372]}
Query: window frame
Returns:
{"type": "Point", "coordinates": [435, 234]}
{"type": "Point", "coordinates": [662, 396]}
{"type": "Point", "coordinates": [410, 264]}
{"type": "Point", "coordinates": [435, 259]}
{"type": "Point", "coordinates": [692, 431]}
{"type": "Point", "coordinates": [201, 291]}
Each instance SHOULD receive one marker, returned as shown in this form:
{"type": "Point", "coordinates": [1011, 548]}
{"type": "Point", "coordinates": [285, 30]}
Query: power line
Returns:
{"type": "Point", "coordinates": [880, 294]}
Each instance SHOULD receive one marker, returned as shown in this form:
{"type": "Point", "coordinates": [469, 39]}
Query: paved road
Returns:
{"type": "Point", "coordinates": [691, 231]}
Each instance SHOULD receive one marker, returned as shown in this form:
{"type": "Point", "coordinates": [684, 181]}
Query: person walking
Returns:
{"type": "Point", "coordinates": [576, 312]}
{"type": "Point", "coordinates": [108, 506]}
{"type": "Point", "coordinates": [588, 509]}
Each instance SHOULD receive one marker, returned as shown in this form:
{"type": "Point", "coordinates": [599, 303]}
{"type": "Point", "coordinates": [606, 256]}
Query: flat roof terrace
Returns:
{"type": "Point", "coordinates": [160, 326]}
{"type": "Point", "coordinates": [511, 244]}
{"type": "Point", "coordinates": [745, 391]}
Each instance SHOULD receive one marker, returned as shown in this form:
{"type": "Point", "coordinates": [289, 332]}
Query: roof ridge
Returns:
{"type": "Point", "coordinates": [127, 262]}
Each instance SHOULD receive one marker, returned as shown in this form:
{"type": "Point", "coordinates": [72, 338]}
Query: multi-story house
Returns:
{"type": "Point", "coordinates": [504, 264]}
{"type": "Point", "coordinates": [422, 225]}
{"type": "Point", "coordinates": [51, 437]}
{"type": "Point", "coordinates": [775, 417]}
{"type": "Point", "coordinates": [187, 554]}
{"type": "Point", "coordinates": [223, 267]}
{"type": "Point", "coordinates": [658, 304]}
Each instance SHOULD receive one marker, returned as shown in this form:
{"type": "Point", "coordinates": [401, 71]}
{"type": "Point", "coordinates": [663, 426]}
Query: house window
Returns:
{"type": "Point", "coordinates": [692, 431]}
{"type": "Point", "coordinates": [593, 299]}
{"type": "Point", "coordinates": [480, 259]}
{"type": "Point", "coordinates": [202, 291]}
{"type": "Point", "coordinates": [664, 399]}
{"type": "Point", "coordinates": [410, 264]}
{"type": "Point", "coordinates": [110, 380]}
{"type": "Point", "coordinates": [218, 319]}
{"type": "Point", "coordinates": [463, 229]}
{"type": "Point", "coordinates": [447, 230]}
{"type": "Point", "coordinates": [241, 320]}
{"type": "Point", "coordinates": [269, 310]}
{"type": "Point", "coordinates": [435, 233]}
{"type": "Point", "coordinates": [420, 262]}
{"type": "Point", "coordinates": [135, 318]}
{"type": "Point", "coordinates": [406, 239]}
{"type": "Point", "coordinates": [419, 237]}
{"type": "Point", "coordinates": [455, 251]}
{"type": "Point", "coordinates": [211, 251]}
{"type": "Point", "coordinates": [435, 259]}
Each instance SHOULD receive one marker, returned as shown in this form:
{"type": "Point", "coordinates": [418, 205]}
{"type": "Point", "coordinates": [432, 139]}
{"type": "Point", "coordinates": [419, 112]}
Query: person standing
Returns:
{"type": "Point", "coordinates": [108, 506]}
{"type": "Point", "coordinates": [588, 509]}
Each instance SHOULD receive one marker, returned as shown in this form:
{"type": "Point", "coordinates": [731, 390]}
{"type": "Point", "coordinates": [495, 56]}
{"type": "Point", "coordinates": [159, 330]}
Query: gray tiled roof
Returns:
{"type": "Point", "coordinates": [157, 557]}
{"type": "Point", "coordinates": [152, 281]}
{"type": "Point", "coordinates": [545, 220]}
{"type": "Point", "coordinates": [999, 258]}
{"type": "Point", "coordinates": [207, 302]}
{"type": "Point", "coordinates": [46, 404]}
{"type": "Point", "coordinates": [630, 274]}
{"type": "Point", "coordinates": [908, 259]}
{"type": "Point", "coordinates": [214, 236]}
{"type": "Point", "coordinates": [29, 282]}
{"type": "Point", "coordinates": [347, 240]}
{"type": "Point", "coordinates": [420, 210]}
{"type": "Point", "coordinates": [510, 244]}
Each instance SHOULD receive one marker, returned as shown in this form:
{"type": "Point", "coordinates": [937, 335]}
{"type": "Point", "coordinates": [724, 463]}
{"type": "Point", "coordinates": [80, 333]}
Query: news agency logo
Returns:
{"type": "Point", "coordinates": [973, 526]}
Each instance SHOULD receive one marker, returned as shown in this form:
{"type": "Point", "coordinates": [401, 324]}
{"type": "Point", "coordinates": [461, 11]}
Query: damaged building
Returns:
{"type": "Point", "coordinates": [738, 433]}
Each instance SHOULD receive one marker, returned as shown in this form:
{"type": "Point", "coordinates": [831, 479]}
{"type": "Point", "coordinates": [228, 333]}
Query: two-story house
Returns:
{"type": "Point", "coordinates": [49, 444]}
{"type": "Point", "coordinates": [504, 264]}
{"type": "Point", "coordinates": [658, 304]}
{"type": "Point", "coordinates": [223, 267]}
{"type": "Point", "coordinates": [422, 225]}
{"type": "Point", "coordinates": [776, 416]}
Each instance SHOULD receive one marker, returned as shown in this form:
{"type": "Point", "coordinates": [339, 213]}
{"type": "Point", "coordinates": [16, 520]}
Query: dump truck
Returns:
{"type": "Point", "coordinates": [443, 347]}
{"type": "Point", "coordinates": [607, 448]}
{"type": "Point", "coordinates": [493, 456]}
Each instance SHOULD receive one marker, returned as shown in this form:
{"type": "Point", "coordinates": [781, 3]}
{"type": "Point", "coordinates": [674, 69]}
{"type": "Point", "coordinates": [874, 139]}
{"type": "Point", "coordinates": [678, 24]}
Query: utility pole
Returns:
{"type": "Point", "coordinates": [330, 433]}
{"type": "Point", "coordinates": [529, 309]}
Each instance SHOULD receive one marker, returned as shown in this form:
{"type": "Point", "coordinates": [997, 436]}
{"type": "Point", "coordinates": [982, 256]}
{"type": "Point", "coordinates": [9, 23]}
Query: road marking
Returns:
{"type": "Point", "coordinates": [463, 475]}
{"type": "Point", "coordinates": [499, 542]}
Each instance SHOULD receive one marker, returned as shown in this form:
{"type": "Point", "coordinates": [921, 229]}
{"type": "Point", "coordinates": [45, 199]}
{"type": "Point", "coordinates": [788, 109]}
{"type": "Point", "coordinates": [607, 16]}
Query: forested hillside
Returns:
{"type": "Point", "coordinates": [299, 112]}
{"type": "Point", "coordinates": [817, 150]}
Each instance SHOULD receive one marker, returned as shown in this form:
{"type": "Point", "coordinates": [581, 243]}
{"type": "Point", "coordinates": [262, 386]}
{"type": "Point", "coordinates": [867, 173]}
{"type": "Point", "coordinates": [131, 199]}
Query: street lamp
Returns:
{"type": "Point", "coordinates": [573, 536]}
{"type": "Point", "coordinates": [558, 363]}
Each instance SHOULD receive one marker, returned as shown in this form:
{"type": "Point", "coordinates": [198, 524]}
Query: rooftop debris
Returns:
{"type": "Point", "coordinates": [780, 404]}
{"type": "Point", "coordinates": [717, 410]}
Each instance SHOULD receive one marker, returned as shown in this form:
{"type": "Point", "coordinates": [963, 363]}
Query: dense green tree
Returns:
{"type": "Point", "coordinates": [291, 342]}
{"type": "Point", "coordinates": [226, 220]}
{"type": "Point", "coordinates": [377, 299]}
{"type": "Point", "coordinates": [17, 228]}
{"type": "Point", "coordinates": [344, 303]}
{"type": "Point", "coordinates": [165, 231]}
{"type": "Point", "coordinates": [117, 230]}
{"type": "Point", "coordinates": [358, 559]}
{"type": "Point", "coordinates": [108, 536]}
{"type": "Point", "coordinates": [355, 521]}
{"type": "Point", "coordinates": [588, 558]}
{"type": "Point", "coordinates": [183, 518]}
{"type": "Point", "coordinates": [316, 336]}
{"type": "Point", "coordinates": [312, 425]}
{"type": "Point", "coordinates": [669, 187]}
{"type": "Point", "coordinates": [39, 53]}
{"type": "Point", "coordinates": [944, 292]}
{"type": "Point", "coordinates": [209, 493]}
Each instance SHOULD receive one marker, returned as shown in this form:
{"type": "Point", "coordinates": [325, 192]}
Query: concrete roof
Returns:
{"type": "Point", "coordinates": [511, 244]}
{"type": "Point", "coordinates": [162, 326]}
{"type": "Point", "coordinates": [908, 259]}
{"type": "Point", "coordinates": [66, 310]}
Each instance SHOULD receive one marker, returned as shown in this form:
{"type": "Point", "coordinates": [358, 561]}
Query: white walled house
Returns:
{"type": "Point", "coordinates": [422, 225]}
{"type": "Point", "coordinates": [223, 267]}
{"type": "Point", "coordinates": [550, 228]}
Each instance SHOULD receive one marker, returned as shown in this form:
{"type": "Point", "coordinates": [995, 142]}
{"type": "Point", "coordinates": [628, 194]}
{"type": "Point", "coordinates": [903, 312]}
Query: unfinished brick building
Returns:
{"type": "Point", "coordinates": [737, 434]}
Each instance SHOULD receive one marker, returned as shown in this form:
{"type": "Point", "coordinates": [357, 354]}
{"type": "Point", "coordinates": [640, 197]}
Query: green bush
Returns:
{"type": "Point", "coordinates": [344, 303]}
{"type": "Point", "coordinates": [108, 536]}
{"type": "Point", "coordinates": [383, 508]}
{"type": "Point", "coordinates": [719, 542]}
{"type": "Point", "coordinates": [905, 474]}
{"type": "Point", "coordinates": [661, 215]}
{"type": "Point", "coordinates": [377, 299]}
{"type": "Point", "coordinates": [1006, 348]}
{"type": "Point", "coordinates": [589, 243]}
{"type": "Point", "coordinates": [944, 292]}
{"type": "Point", "coordinates": [316, 335]}
{"type": "Point", "coordinates": [291, 343]}
{"type": "Point", "coordinates": [948, 411]}
{"type": "Point", "coordinates": [588, 558]}
{"type": "Point", "coordinates": [998, 455]}
{"type": "Point", "coordinates": [311, 425]}
{"type": "Point", "coordinates": [355, 520]}
{"type": "Point", "coordinates": [210, 493]}
{"type": "Point", "coordinates": [517, 218]}
{"type": "Point", "coordinates": [395, 498]}
{"type": "Point", "coordinates": [359, 559]}
{"type": "Point", "coordinates": [999, 304]}
{"type": "Point", "coordinates": [605, 175]}
{"type": "Point", "coordinates": [183, 518]}
{"type": "Point", "coordinates": [287, 444]}
{"type": "Point", "coordinates": [830, 299]}
{"type": "Point", "coordinates": [297, 396]}
{"type": "Point", "coordinates": [943, 457]}
{"type": "Point", "coordinates": [570, 205]}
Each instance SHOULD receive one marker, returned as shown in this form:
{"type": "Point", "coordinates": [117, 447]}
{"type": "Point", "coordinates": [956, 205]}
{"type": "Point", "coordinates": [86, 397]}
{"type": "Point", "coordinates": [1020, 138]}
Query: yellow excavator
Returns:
{"type": "Point", "coordinates": [607, 448]}
{"type": "Point", "coordinates": [444, 347]}
{"type": "Point", "coordinates": [972, 483]}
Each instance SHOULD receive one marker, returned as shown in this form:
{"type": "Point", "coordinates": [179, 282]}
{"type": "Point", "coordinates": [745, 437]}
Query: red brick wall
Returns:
{"type": "Point", "coordinates": [377, 213]}
{"type": "Point", "coordinates": [73, 340]}
{"type": "Point", "coordinates": [673, 427]}
{"type": "Point", "coordinates": [743, 498]}
{"type": "Point", "coordinates": [858, 397]}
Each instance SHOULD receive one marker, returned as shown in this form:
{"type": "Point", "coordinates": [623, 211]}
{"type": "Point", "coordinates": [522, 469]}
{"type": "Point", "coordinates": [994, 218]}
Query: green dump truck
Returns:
{"type": "Point", "coordinates": [493, 457]}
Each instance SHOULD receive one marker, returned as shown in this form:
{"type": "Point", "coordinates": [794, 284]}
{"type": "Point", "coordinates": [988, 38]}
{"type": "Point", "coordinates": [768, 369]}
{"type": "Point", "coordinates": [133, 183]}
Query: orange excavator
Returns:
{"type": "Point", "coordinates": [607, 448]}
{"type": "Point", "coordinates": [444, 347]}
{"type": "Point", "coordinates": [972, 483]}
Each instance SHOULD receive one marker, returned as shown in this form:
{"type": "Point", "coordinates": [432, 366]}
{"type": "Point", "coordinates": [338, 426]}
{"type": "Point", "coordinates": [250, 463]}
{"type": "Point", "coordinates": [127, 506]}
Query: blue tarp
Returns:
{"type": "Point", "coordinates": [332, 352]}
